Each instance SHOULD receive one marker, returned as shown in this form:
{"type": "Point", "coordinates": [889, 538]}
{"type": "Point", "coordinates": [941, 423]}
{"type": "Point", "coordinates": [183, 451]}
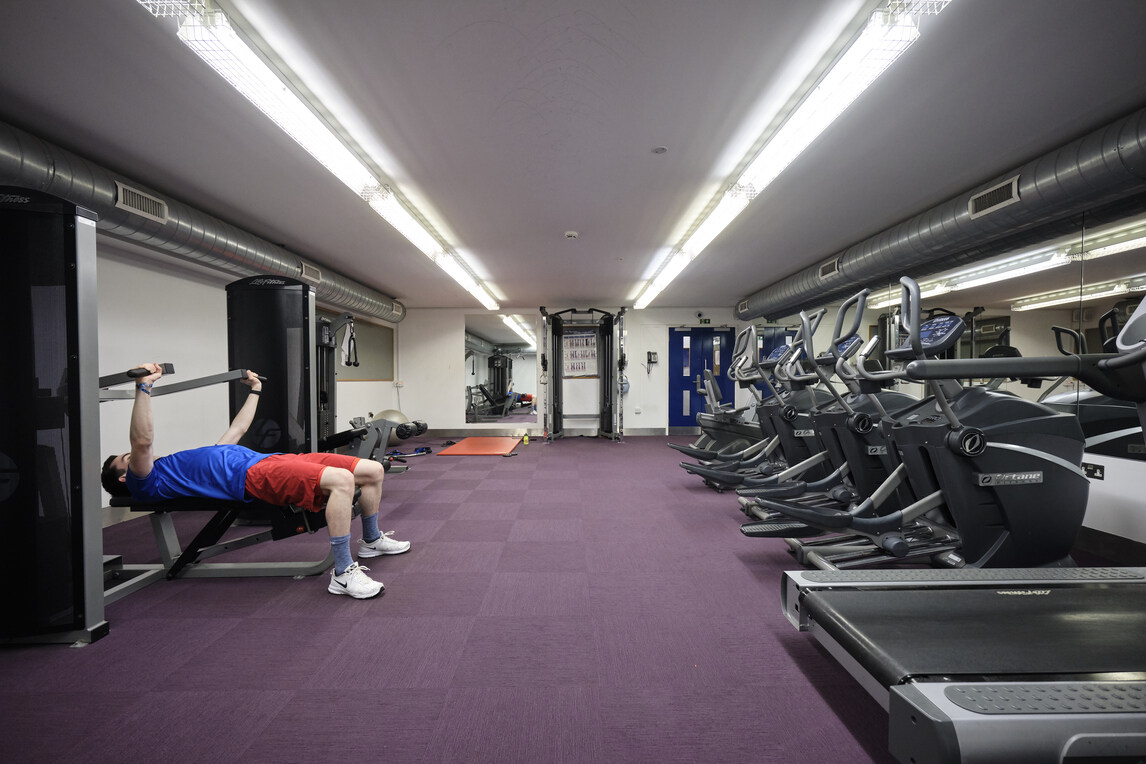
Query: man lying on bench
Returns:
{"type": "Point", "coordinates": [230, 471]}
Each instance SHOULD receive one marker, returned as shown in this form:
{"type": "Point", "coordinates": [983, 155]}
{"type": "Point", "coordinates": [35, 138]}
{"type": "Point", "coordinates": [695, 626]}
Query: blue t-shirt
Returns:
{"type": "Point", "coordinates": [211, 472]}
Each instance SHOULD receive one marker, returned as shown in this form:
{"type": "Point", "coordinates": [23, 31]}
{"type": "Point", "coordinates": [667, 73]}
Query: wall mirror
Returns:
{"type": "Point", "coordinates": [500, 370]}
{"type": "Point", "coordinates": [1077, 287]}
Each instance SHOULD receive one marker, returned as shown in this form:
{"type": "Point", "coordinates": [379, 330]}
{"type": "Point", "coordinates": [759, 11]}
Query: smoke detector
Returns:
{"type": "Point", "coordinates": [570, 234]}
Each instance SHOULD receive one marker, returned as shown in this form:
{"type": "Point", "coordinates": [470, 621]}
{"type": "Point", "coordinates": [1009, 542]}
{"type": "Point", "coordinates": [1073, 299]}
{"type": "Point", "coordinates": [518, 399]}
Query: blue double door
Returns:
{"type": "Point", "coordinates": [691, 351]}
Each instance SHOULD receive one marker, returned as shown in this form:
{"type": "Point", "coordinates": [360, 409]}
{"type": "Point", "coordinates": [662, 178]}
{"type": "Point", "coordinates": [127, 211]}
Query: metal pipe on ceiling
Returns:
{"type": "Point", "coordinates": [1102, 174]}
{"type": "Point", "coordinates": [181, 231]}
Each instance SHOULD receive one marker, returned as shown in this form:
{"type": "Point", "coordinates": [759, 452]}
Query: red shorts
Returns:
{"type": "Point", "coordinates": [293, 478]}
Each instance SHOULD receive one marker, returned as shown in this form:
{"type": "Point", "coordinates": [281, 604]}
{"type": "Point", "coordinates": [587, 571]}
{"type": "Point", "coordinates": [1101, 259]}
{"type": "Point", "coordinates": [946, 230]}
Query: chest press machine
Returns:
{"type": "Point", "coordinates": [189, 561]}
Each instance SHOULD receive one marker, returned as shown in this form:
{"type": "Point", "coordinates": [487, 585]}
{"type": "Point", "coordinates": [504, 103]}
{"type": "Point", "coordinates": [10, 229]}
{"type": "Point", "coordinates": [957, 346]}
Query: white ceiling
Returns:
{"type": "Point", "coordinates": [510, 123]}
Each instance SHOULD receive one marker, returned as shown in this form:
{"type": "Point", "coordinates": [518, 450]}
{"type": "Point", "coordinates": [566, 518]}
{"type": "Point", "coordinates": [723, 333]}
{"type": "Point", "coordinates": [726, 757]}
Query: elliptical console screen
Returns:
{"type": "Point", "coordinates": [774, 356]}
{"type": "Point", "coordinates": [845, 347]}
{"type": "Point", "coordinates": [939, 334]}
{"type": "Point", "coordinates": [936, 336]}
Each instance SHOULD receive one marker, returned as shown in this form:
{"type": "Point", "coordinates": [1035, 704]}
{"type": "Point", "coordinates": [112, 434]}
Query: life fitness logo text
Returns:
{"type": "Point", "coordinates": [1024, 592]}
{"type": "Point", "coordinates": [267, 282]}
{"type": "Point", "coordinates": [14, 199]}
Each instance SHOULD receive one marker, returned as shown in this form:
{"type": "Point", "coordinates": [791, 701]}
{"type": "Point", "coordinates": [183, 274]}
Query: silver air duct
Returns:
{"type": "Point", "coordinates": [130, 211]}
{"type": "Point", "coordinates": [1102, 173]}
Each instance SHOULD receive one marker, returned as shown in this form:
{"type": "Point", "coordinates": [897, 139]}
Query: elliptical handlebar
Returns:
{"type": "Point", "coordinates": [860, 301]}
{"type": "Point", "coordinates": [745, 343]}
{"type": "Point", "coordinates": [780, 369]}
{"type": "Point", "coordinates": [873, 376]}
{"type": "Point", "coordinates": [1079, 340]}
{"type": "Point", "coordinates": [791, 372]}
{"type": "Point", "coordinates": [814, 319]}
{"type": "Point", "coordinates": [911, 301]}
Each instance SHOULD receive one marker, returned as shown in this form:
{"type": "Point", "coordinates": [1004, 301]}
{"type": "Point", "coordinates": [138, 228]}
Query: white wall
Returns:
{"type": "Point", "coordinates": [524, 372]}
{"type": "Point", "coordinates": [432, 367]}
{"type": "Point", "coordinates": [147, 314]}
{"type": "Point", "coordinates": [647, 330]}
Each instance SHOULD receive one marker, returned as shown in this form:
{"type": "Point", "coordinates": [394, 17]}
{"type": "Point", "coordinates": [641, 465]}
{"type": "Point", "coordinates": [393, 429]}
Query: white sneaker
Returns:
{"type": "Point", "coordinates": [355, 582]}
{"type": "Point", "coordinates": [382, 545]}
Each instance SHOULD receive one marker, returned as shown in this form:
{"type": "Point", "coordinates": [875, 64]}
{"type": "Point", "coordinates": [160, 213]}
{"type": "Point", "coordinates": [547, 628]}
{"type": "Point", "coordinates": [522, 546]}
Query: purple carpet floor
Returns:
{"type": "Point", "coordinates": [579, 601]}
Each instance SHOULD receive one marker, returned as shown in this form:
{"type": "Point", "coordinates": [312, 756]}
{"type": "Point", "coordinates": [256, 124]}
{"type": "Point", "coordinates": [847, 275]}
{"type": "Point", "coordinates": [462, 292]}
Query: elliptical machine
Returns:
{"type": "Point", "coordinates": [998, 473]}
{"type": "Point", "coordinates": [783, 418]}
{"type": "Point", "coordinates": [848, 429]}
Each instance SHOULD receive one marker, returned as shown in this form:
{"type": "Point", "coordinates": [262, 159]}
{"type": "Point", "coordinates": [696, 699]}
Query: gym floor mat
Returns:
{"type": "Point", "coordinates": [481, 446]}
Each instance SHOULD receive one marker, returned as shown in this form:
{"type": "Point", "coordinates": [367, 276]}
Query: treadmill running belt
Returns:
{"type": "Point", "coordinates": [1010, 631]}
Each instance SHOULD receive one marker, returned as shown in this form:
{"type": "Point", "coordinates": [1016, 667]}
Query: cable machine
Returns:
{"type": "Point", "coordinates": [582, 367]}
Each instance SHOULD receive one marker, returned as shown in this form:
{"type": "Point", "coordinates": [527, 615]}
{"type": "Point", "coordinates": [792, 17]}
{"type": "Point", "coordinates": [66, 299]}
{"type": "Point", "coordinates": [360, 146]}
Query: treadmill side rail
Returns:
{"type": "Point", "coordinates": [919, 731]}
{"type": "Point", "coordinates": [927, 726]}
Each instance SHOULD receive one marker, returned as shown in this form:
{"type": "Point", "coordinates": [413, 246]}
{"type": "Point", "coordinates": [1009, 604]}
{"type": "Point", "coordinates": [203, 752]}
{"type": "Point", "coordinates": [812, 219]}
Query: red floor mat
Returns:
{"type": "Point", "coordinates": [481, 446]}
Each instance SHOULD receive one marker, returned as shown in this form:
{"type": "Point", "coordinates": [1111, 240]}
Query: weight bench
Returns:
{"type": "Point", "coordinates": [188, 562]}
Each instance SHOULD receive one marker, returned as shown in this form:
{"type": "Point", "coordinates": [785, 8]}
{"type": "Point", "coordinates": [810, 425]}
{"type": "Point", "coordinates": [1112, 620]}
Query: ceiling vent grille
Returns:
{"type": "Point", "coordinates": [139, 203]}
{"type": "Point", "coordinates": [742, 307]}
{"type": "Point", "coordinates": [311, 274]}
{"type": "Point", "coordinates": [830, 268]}
{"type": "Point", "coordinates": [994, 198]}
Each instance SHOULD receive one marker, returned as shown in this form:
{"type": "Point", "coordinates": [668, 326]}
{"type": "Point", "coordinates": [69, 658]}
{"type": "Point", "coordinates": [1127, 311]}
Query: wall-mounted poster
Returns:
{"type": "Point", "coordinates": [580, 354]}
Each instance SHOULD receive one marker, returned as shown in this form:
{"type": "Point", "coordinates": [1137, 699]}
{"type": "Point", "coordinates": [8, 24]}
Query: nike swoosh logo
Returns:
{"type": "Point", "coordinates": [344, 586]}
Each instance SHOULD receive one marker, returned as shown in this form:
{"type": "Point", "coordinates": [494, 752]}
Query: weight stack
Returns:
{"type": "Point", "coordinates": [271, 330]}
{"type": "Point", "coordinates": [51, 544]}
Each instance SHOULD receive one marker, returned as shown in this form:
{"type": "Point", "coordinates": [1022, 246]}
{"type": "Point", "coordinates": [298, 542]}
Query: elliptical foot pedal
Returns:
{"type": "Point", "coordinates": [779, 529]}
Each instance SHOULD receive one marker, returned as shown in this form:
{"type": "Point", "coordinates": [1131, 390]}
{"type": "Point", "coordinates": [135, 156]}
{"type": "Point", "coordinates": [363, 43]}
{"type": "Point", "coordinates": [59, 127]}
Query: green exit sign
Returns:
{"type": "Point", "coordinates": [706, 320]}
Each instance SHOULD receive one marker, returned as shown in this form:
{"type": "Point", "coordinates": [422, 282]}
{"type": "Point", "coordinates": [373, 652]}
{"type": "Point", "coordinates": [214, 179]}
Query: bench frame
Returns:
{"type": "Point", "coordinates": [188, 562]}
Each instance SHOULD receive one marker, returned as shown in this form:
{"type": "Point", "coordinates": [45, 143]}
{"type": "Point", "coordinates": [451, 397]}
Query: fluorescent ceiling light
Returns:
{"type": "Point", "coordinates": [451, 264]}
{"type": "Point", "coordinates": [886, 36]}
{"type": "Point", "coordinates": [882, 41]}
{"type": "Point", "coordinates": [208, 33]}
{"type": "Point", "coordinates": [733, 201]}
{"type": "Point", "coordinates": [1001, 269]}
{"type": "Point", "coordinates": [1068, 296]}
{"type": "Point", "coordinates": [515, 323]}
{"type": "Point", "coordinates": [731, 204]}
{"type": "Point", "coordinates": [1114, 249]}
{"type": "Point", "coordinates": [672, 267]}
{"type": "Point", "coordinates": [211, 38]}
{"type": "Point", "coordinates": [383, 201]}
{"type": "Point", "coordinates": [1004, 269]}
{"type": "Point", "coordinates": [892, 296]}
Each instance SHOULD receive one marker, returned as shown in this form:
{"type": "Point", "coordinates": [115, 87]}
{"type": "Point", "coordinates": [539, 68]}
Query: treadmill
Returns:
{"type": "Point", "coordinates": [997, 665]}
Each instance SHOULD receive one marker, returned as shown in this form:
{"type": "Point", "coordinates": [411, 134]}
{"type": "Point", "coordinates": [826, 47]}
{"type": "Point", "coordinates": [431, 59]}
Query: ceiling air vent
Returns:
{"type": "Point", "coordinates": [139, 203]}
{"type": "Point", "coordinates": [742, 307]}
{"type": "Point", "coordinates": [830, 268]}
{"type": "Point", "coordinates": [994, 198]}
{"type": "Point", "coordinates": [311, 274]}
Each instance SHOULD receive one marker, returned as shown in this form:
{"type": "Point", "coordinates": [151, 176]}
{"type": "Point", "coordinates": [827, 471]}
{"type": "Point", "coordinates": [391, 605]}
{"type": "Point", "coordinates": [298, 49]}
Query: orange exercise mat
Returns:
{"type": "Point", "coordinates": [481, 446]}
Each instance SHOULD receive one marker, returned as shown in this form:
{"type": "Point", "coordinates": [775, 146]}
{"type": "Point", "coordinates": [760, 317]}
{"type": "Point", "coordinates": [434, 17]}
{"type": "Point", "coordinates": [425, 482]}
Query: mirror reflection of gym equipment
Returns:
{"type": "Point", "coordinates": [500, 371]}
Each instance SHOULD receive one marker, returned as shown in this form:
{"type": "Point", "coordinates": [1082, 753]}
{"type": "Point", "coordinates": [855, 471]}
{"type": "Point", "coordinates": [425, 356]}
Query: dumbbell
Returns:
{"type": "Point", "coordinates": [420, 426]}
{"type": "Point", "coordinates": [405, 430]}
